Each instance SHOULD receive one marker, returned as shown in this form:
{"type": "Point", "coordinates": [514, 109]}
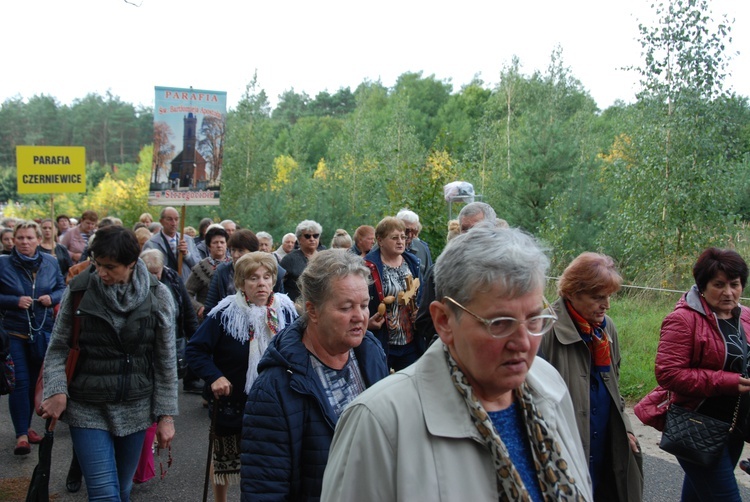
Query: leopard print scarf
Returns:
{"type": "Point", "coordinates": [552, 470]}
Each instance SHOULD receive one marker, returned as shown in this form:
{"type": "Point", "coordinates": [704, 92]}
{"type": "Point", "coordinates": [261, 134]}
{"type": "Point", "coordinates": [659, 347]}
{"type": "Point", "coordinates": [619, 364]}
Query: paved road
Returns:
{"type": "Point", "coordinates": [184, 481]}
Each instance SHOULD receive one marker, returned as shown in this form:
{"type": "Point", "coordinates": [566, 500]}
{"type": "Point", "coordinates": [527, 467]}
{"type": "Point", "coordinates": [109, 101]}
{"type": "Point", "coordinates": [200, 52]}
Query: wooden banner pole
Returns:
{"type": "Point", "coordinates": [182, 238]}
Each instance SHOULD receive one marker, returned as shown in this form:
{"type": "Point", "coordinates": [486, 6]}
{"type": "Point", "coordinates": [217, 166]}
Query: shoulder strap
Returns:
{"type": "Point", "coordinates": [376, 279]}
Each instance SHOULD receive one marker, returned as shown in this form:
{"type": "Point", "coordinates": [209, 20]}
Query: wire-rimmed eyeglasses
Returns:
{"type": "Point", "coordinates": [501, 327]}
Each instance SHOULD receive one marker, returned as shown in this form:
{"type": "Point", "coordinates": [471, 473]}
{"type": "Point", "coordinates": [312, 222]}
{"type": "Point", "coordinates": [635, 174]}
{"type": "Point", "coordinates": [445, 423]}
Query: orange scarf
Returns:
{"type": "Point", "coordinates": [596, 339]}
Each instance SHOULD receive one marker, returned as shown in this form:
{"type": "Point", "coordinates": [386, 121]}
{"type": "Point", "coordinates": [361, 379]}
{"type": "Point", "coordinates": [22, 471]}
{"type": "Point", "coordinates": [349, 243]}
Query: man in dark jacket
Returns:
{"type": "Point", "coordinates": [308, 374]}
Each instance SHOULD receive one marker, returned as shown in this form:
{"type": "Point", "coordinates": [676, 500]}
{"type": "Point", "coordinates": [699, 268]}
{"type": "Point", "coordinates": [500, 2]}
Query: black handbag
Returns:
{"type": "Point", "coordinates": [695, 437]}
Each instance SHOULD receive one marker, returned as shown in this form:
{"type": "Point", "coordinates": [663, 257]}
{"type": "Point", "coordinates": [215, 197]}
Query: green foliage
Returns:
{"type": "Point", "coordinates": [650, 183]}
{"type": "Point", "coordinates": [638, 319]}
{"type": "Point", "coordinates": [460, 117]}
{"type": "Point", "coordinates": [680, 141]}
{"type": "Point", "coordinates": [111, 130]}
{"type": "Point", "coordinates": [423, 98]}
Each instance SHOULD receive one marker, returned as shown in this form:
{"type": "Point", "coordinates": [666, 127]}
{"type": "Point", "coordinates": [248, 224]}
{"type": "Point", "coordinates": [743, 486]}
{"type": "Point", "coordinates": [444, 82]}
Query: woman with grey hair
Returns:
{"type": "Point", "coordinates": [308, 235]}
{"type": "Point", "coordinates": [477, 394]}
{"type": "Point", "coordinates": [307, 376]}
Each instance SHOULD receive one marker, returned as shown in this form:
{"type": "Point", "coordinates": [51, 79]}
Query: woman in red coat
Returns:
{"type": "Point", "coordinates": [702, 360]}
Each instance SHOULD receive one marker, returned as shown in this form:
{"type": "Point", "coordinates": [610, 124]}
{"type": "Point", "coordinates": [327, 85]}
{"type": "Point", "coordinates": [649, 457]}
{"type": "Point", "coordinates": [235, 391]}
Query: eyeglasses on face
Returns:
{"type": "Point", "coordinates": [310, 236]}
{"type": "Point", "coordinates": [501, 327]}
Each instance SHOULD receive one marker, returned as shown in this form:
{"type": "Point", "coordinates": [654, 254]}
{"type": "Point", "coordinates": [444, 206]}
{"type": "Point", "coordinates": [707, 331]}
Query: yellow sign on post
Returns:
{"type": "Point", "coordinates": [51, 169]}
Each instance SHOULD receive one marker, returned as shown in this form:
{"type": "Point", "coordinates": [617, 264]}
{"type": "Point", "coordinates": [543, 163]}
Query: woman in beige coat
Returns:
{"type": "Point", "coordinates": [477, 417]}
{"type": "Point", "coordinates": [583, 346]}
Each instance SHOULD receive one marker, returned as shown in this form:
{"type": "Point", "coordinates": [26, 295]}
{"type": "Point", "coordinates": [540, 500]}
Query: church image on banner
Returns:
{"type": "Point", "coordinates": [189, 166]}
{"type": "Point", "coordinates": [189, 128]}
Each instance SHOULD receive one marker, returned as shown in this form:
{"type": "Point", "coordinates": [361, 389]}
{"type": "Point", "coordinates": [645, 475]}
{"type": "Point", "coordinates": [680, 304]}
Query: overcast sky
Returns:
{"type": "Point", "coordinates": [69, 48]}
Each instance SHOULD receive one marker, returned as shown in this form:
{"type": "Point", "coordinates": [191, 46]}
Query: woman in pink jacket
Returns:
{"type": "Point", "coordinates": [702, 360]}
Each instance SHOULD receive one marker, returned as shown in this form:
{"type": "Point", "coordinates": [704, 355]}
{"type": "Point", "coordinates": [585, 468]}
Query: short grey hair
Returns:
{"type": "Point", "coordinates": [307, 225]}
{"type": "Point", "coordinates": [485, 257]}
{"type": "Point", "coordinates": [474, 208]}
{"type": "Point", "coordinates": [154, 259]}
{"type": "Point", "coordinates": [315, 282]}
{"type": "Point", "coordinates": [409, 216]}
{"type": "Point", "coordinates": [264, 235]}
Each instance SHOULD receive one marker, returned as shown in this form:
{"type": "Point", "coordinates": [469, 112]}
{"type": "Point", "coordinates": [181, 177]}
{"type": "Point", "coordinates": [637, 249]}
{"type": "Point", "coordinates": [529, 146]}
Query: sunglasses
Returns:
{"type": "Point", "coordinates": [310, 236]}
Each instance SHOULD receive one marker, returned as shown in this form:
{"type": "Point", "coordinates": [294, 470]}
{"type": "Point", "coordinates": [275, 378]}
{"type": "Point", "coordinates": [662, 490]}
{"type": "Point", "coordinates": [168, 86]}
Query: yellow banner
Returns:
{"type": "Point", "coordinates": [51, 169]}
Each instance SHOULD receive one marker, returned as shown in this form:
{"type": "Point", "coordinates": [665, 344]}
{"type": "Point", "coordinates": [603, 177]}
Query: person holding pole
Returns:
{"type": "Point", "coordinates": [180, 253]}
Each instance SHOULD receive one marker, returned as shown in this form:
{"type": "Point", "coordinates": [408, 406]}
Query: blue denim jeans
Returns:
{"type": "Point", "coordinates": [714, 483]}
{"type": "Point", "coordinates": [21, 400]}
{"type": "Point", "coordinates": [108, 462]}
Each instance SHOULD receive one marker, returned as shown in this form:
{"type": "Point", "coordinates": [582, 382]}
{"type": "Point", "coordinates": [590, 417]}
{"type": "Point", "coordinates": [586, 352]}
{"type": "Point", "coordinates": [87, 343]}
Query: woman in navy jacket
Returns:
{"type": "Point", "coordinates": [308, 374]}
{"type": "Point", "coordinates": [30, 286]}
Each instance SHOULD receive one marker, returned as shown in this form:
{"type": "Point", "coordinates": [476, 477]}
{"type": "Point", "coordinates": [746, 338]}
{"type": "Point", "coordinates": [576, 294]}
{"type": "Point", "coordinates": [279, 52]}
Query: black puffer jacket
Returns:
{"type": "Point", "coordinates": [117, 367]}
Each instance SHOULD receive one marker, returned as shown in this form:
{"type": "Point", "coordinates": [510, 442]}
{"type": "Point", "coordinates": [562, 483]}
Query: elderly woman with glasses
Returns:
{"type": "Point", "coordinates": [308, 235]}
{"type": "Point", "coordinates": [583, 346]}
{"type": "Point", "coordinates": [485, 420]}
{"type": "Point", "coordinates": [393, 299]}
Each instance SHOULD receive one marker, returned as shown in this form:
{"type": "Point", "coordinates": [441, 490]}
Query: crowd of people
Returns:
{"type": "Point", "coordinates": [361, 370]}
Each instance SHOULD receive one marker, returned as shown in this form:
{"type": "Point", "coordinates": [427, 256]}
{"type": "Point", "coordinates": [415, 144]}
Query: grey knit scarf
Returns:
{"type": "Point", "coordinates": [121, 299]}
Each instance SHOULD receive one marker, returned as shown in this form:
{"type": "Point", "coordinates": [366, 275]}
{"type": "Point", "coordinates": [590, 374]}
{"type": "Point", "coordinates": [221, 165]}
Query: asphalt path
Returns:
{"type": "Point", "coordinates": [184, 480]}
